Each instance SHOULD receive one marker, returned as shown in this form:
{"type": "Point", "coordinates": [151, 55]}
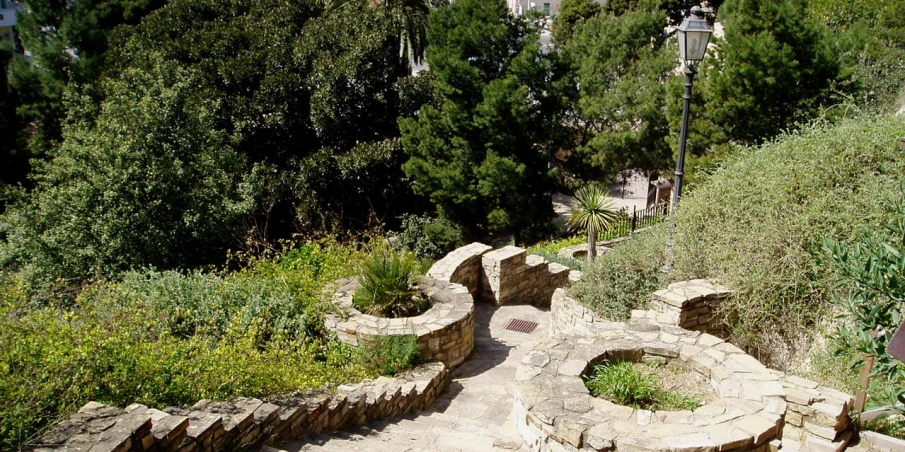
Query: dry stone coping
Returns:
{"type": "Point", "coordinates": [681, 293]}
{"type": "Point", "coordinates": [242, 422]}
{"type": "Point", "coordinates": [445, 331]}
{"type": "Point", "coordinates": [445, 268]}
{"type": "Point", "coordinates": [556, 411]}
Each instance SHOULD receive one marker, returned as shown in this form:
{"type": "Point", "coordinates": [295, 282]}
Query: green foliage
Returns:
{"type": "Point", "coordinates": [773, 70]}
{"type": "Point", "coordinates": [67, 42]}
{"type": "Point", "coordinates": [388, 286]}
{"type": "Point", "coordinates": [129, 189]}
{"type": "Point", "coordinates": [390, 355]}
{"type": "Point", "coordinates": [313, 102]}
{"type": "Point", "coordinates": [619, 63]}
{"type": "Point", "coordinates": [756, 222]}
{"type": "Point", "coordinates": [166, 339]}
{"type": "Point", "coordinates": [872, 276]}
{"type": "Point", "coordinates": [428, 237]}
{"type": "Point", "coordinates": [624, 278]}
{"type": "Point", "coordinates": [482, 156]}
{"type": "Point", "coordinates": [624, 383]}
{"type": "Point", "coordinates": [594, 213]}
{"type": "Point", "coordinates": [571, 14]}
{"type": "Point", "coordinates": [842, 14]}
{"type": "Point", "coordinates": [878, 70]}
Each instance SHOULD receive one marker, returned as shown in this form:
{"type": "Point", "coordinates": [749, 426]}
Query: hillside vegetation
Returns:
{"type": "Point", "coordinates": [756, 225]}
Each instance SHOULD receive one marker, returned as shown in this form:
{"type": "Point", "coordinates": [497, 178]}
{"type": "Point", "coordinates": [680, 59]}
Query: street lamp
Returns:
{"type": "Point", "coordinates": [694, 35]}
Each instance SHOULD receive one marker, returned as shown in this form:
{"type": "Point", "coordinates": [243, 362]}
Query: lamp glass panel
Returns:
{"type": "Point", "coordinates": [696, 44]}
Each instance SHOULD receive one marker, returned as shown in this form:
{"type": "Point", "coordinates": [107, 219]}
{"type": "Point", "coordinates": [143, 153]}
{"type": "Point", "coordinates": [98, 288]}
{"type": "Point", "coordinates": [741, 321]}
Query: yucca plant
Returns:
{"type": "Point", "coordinates": [388, 285]}
{"type": "Point", "coordinates": [593, 212]}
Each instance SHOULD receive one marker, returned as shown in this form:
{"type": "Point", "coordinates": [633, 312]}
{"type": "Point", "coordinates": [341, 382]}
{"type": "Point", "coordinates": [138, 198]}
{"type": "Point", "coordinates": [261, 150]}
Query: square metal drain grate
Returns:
{"type": "Point", "coordinates": [522, 326]}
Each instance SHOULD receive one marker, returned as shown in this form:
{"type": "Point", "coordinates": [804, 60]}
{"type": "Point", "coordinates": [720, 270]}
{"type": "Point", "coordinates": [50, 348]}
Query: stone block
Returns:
{"type": "Point", "coordinates": [760, 428]}
{"type": "Point", "coordinates": [693, 442]}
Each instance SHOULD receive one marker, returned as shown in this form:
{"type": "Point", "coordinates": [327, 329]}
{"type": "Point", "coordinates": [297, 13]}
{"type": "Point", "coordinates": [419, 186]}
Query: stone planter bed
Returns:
{"type": "Point", "coordinates": [556, 412]}
{"type": "Point", "coordinates": [445, 331]}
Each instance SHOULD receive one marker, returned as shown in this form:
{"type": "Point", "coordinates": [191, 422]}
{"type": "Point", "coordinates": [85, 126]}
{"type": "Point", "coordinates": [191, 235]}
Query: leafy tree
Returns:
{"type": "Point", "coordinates": [68, 41]}
{"type": "Point", "coordinates": [315, 98]}
{"type": "Point", "coordinates": [482, 157]}
{"type": "Point", "coordinates": [773, 69]}
{"type": "Point", "coordinates": [127, 188]}
{"type": "Point", "coordinates": [571, 13]}
{"type": "Point", "coordinates": [620, 63]}
{"type": "Point", "coordinates": [593, 212]}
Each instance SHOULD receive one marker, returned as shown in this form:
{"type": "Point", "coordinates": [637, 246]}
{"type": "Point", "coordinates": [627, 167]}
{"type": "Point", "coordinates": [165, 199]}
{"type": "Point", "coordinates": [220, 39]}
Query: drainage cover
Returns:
{"type": "Point", "coordinates": [522, 326]}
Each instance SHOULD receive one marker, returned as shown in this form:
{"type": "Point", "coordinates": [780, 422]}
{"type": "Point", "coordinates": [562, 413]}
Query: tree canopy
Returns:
{"type": "Point", "coordinates": [483, 155]}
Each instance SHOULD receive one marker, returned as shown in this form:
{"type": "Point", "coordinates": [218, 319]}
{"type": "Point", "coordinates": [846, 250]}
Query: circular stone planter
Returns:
{"type": "Point", "coordinates": [445, 331]}
{"type": "Point", "coordinates": [555, 411]}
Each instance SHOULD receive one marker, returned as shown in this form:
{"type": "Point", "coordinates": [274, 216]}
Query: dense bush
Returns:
{"type": "Point", "coordinates": [110, 201]}
{"type": "Point", "coordinates": [756, 222]}
{"type": "Point", "coordinates": [624, 278]}
{"type": "Point", "coordinates": [169, 339]}
{"type": "Point", "coordinates": [872, 276]}
{"type": "Point", "coordinates": [429, 238]}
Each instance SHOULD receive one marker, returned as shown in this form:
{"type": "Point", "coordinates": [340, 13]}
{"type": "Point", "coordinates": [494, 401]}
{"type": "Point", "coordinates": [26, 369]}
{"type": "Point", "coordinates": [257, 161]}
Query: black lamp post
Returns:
{"type": "Point", "coordinates": [694, 35]}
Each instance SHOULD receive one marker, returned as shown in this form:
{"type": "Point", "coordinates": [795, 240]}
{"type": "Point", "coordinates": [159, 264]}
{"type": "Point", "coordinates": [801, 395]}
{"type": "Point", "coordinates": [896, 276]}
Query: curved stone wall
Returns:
{"type": "Point", "coordinates": [813, 416]}
{"type": "Point", "coordinates": [243, 423]}
{"type": "Point", "coordinates": [461, 266]}
{"type": "Point", "coordinates": [445, 331]}
{"type": "Point", "coordinates": [555, 410]}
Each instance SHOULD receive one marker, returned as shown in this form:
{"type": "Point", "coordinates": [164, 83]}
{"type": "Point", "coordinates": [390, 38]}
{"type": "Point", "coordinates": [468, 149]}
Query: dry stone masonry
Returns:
{"type": "Point", "coordinates": [555, 411]}
{"type": "Point", "coordinates": [504, 275]}
{"type": "Point", "coordinates": [445, 331]}
{"type": "Point", "coordinates": [509, 274]}
{"type": "Point", "coordinates": [461, 266]}
{"type": "Point", "coordinates": [689, 304]}
{"type": "Point", "coordinates": [243, 423]}
{"type": "Point", "coordinates": [809, 417]}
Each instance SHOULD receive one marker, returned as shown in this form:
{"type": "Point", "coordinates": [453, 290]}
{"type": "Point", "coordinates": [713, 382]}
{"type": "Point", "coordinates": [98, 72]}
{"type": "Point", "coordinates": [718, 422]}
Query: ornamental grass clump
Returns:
{"type": "Point", "coordinates": [637, 386]}
{"type": "Point", "coordinates": [388, 286]}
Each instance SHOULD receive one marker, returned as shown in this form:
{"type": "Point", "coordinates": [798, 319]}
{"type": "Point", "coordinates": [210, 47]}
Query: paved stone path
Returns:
{"type": "Point", "coordinates": [473, 414]}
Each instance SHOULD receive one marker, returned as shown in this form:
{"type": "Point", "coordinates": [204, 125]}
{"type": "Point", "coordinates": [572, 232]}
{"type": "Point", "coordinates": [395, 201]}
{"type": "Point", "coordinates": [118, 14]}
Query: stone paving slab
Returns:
{"type": "Point", "coordinates": [473, 415]}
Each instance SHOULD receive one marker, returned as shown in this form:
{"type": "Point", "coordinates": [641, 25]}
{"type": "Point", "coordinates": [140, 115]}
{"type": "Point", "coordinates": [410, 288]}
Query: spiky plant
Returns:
{"type": "Point", "coordinates": [593, 212]}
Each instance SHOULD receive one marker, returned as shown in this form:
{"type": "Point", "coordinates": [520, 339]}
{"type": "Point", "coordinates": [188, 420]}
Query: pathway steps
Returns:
{"type": "Point", "coordinates": [473, 415]}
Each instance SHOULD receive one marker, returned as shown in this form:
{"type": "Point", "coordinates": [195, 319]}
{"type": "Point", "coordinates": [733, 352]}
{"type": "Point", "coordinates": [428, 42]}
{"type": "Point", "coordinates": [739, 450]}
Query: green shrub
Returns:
{"type": "Point", "coordinates": [165, 338]}
{"type": "Point", "coordinates": [390, 355]}
{"type": "Point", "coordinates": [549, 250]}
{"type": "Point", "coordinates": [756, 223]}
{"type": "Point", "coordinates": [427, 237]}
{"type": "Point", "coordinates": [387, 286]}
{"type": "Point", "coordinates": [872, 276]}
{"type": "Point", "coordinates": [625, 383]}
{"type": "Point", "coordinates": [624, 278]}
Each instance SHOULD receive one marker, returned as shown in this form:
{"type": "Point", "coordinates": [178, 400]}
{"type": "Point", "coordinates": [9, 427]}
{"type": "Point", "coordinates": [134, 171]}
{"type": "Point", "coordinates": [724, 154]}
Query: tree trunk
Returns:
{"type": "Point", "coordinates": [592, 245]}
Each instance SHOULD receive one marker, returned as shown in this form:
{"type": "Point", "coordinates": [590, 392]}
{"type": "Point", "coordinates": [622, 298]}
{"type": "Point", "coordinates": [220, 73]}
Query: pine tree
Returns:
{"type": "Point", "coordinates": [482, 157]}
{"type": "Point", "coordinates": [773, 69]}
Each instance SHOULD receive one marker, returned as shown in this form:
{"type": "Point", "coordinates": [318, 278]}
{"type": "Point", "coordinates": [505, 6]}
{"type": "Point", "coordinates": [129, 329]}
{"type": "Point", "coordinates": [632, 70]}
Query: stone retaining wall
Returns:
{"type": "Point", "coordinates": [504, 275]}
{"type": "Point", "coordinates": [690, 305]}
{"type": "Point", "coordinates": [445, 331]}
{"type": "Point", "coordinates": [461, 266]}
{"type": "Point", "coordinates": [243, 423]}
{"type": "Point", "coordinates": [510, 274]}
{"type": "Point", "coordinates": [555, 411]}
{"type": "Point", "coordinates": [813, 417]}
{"type": "Point", "coordinates": [568, 317]}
